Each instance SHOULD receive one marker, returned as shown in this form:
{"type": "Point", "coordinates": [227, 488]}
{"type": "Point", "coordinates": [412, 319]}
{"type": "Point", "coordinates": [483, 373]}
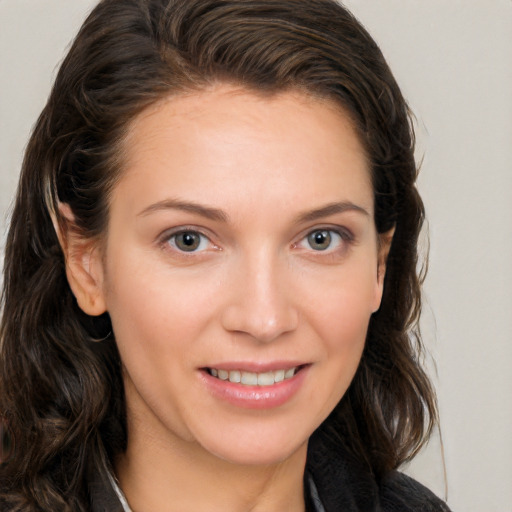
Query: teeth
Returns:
{"type": "Point", "coordinates": [266, 379]}
{"type": "Point", "coordinates": [279, 376]}
{"type": "Point", "coordinates": [249, 378]}
{"type": "Point", "coordinates": [288, 374]}
{"type": "Point", "coordinates": [253, 378]}
{"type": "Point", "coordinates": [234, 376]}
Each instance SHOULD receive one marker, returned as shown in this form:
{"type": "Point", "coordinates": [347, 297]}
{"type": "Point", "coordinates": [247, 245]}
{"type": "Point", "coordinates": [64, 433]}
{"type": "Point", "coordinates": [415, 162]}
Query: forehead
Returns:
{"type": "Point", "coordinates": [228, 143]}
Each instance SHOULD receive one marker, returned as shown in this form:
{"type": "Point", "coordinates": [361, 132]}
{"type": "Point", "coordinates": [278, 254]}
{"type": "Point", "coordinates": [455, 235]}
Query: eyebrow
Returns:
{"type": "Point", "coordinates": [186, 206]}
{"type": "Point", "coordinates": [331, 209]}
{"type": "Point", "coordinates": [219, 215]}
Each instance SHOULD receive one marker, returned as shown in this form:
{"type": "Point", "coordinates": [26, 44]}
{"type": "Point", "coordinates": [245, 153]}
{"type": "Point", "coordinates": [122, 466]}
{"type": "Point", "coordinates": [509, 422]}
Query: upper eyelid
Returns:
{"type": "Point", "coordinates": [168, 233]}
{"type": "Point", "coordinates": [341, 230]}
{"type": "Point", "coordinates": [342, 234]}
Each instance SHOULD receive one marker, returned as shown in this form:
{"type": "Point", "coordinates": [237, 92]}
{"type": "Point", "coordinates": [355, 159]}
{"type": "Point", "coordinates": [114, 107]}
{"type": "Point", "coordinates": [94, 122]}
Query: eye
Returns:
{"type": "Point", "coordinates": [324, 240]}
{"type": "Point", "coordinates": [189, 241]}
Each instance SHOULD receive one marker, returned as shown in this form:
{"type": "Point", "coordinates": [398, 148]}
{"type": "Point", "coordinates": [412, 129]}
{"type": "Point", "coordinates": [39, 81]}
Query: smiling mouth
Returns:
{"type": "Point", "coordinates": [254, 378]}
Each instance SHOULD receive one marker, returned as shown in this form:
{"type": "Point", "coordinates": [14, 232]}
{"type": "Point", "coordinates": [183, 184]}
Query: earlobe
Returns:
{"type": "Point", "coordinates": [385, 241]}
{"type": "Point", "coordinates": [84, 266]}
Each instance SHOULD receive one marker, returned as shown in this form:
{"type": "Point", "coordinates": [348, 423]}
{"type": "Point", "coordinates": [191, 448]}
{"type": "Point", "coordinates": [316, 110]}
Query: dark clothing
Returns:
{"type": "Point", "coordinates": [346, 485]}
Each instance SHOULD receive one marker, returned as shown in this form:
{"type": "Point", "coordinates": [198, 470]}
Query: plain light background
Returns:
{"type": "Point", "coordinates": [453, 60]}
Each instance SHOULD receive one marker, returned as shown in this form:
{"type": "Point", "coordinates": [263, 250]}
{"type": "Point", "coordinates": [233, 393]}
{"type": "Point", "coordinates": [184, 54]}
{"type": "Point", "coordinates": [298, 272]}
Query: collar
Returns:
{"type": "Point", "coordinates": [123, 502]}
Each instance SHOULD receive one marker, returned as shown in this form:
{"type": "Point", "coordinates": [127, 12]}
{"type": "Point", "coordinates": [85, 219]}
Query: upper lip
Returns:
{"type": "Point", "coordinates": [256, 366]}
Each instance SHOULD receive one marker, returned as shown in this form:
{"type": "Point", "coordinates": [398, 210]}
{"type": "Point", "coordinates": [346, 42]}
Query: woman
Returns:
{"type": "Point", "coordinates": [210, 290]}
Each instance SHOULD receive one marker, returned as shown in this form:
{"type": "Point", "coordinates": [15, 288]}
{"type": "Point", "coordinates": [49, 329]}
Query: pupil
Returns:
{"type": "Point", "coordinates": [188, 239]}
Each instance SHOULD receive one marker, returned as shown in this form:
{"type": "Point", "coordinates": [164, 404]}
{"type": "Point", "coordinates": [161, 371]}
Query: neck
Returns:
{"type": "Point", "coordinates": [169, 475]}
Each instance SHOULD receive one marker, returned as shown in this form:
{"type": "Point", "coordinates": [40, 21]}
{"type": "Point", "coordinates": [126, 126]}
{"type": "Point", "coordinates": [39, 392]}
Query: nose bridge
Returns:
{"type": "Point", "coordinates": [260, 303]}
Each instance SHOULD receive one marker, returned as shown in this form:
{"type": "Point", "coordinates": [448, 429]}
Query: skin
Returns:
{"type": "Point", "coordinates": [255, 290]}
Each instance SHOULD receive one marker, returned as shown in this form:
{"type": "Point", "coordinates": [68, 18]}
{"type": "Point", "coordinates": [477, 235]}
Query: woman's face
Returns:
{"type": "Point", "coordinates": [241, 246]}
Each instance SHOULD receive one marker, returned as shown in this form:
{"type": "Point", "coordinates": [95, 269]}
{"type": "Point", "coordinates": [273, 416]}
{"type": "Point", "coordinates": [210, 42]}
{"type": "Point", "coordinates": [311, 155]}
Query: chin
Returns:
{"type": "Point", "coordinates": [260, 456]}
{"type": "Point", "coordinates": [256, 449]}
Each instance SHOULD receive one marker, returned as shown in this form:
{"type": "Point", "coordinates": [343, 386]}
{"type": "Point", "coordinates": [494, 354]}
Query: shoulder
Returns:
{"type": "Point", "coordinates": [401, 493]}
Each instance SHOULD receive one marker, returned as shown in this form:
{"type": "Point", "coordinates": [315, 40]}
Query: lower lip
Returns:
{"type": "Point", "coordinates": [255, 397]}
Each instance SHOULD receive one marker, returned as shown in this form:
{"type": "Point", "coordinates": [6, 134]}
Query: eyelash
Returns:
{"type": "Point", "coordinates": [345, 237]}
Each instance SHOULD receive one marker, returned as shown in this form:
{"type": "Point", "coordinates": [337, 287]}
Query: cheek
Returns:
{"type": "Point", "coordinates": [340, 317]}
{"type": "Point", "coordinates": [156, 318]}
{"type": "Point", "coordinates": [343, 325]}
{"type": "Point", "coordinates": [158, 324]}
{"type": "Point", "coordinates": [342, 309]}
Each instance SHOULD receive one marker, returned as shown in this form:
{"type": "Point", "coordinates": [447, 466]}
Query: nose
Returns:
{"type": "Point", "coordinates": [259, 302]}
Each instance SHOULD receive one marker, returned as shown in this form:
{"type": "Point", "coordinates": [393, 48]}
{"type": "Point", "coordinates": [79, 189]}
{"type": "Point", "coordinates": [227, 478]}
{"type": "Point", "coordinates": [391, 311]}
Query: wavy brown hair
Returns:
{"type": "Point", "coordinates": [61, 394]}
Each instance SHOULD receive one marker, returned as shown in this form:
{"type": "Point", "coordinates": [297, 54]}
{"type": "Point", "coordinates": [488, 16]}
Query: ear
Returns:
{"type": "Point", "coordinates": [384, 245]}
{"type": "Point", "coordinates": [84, 265]}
